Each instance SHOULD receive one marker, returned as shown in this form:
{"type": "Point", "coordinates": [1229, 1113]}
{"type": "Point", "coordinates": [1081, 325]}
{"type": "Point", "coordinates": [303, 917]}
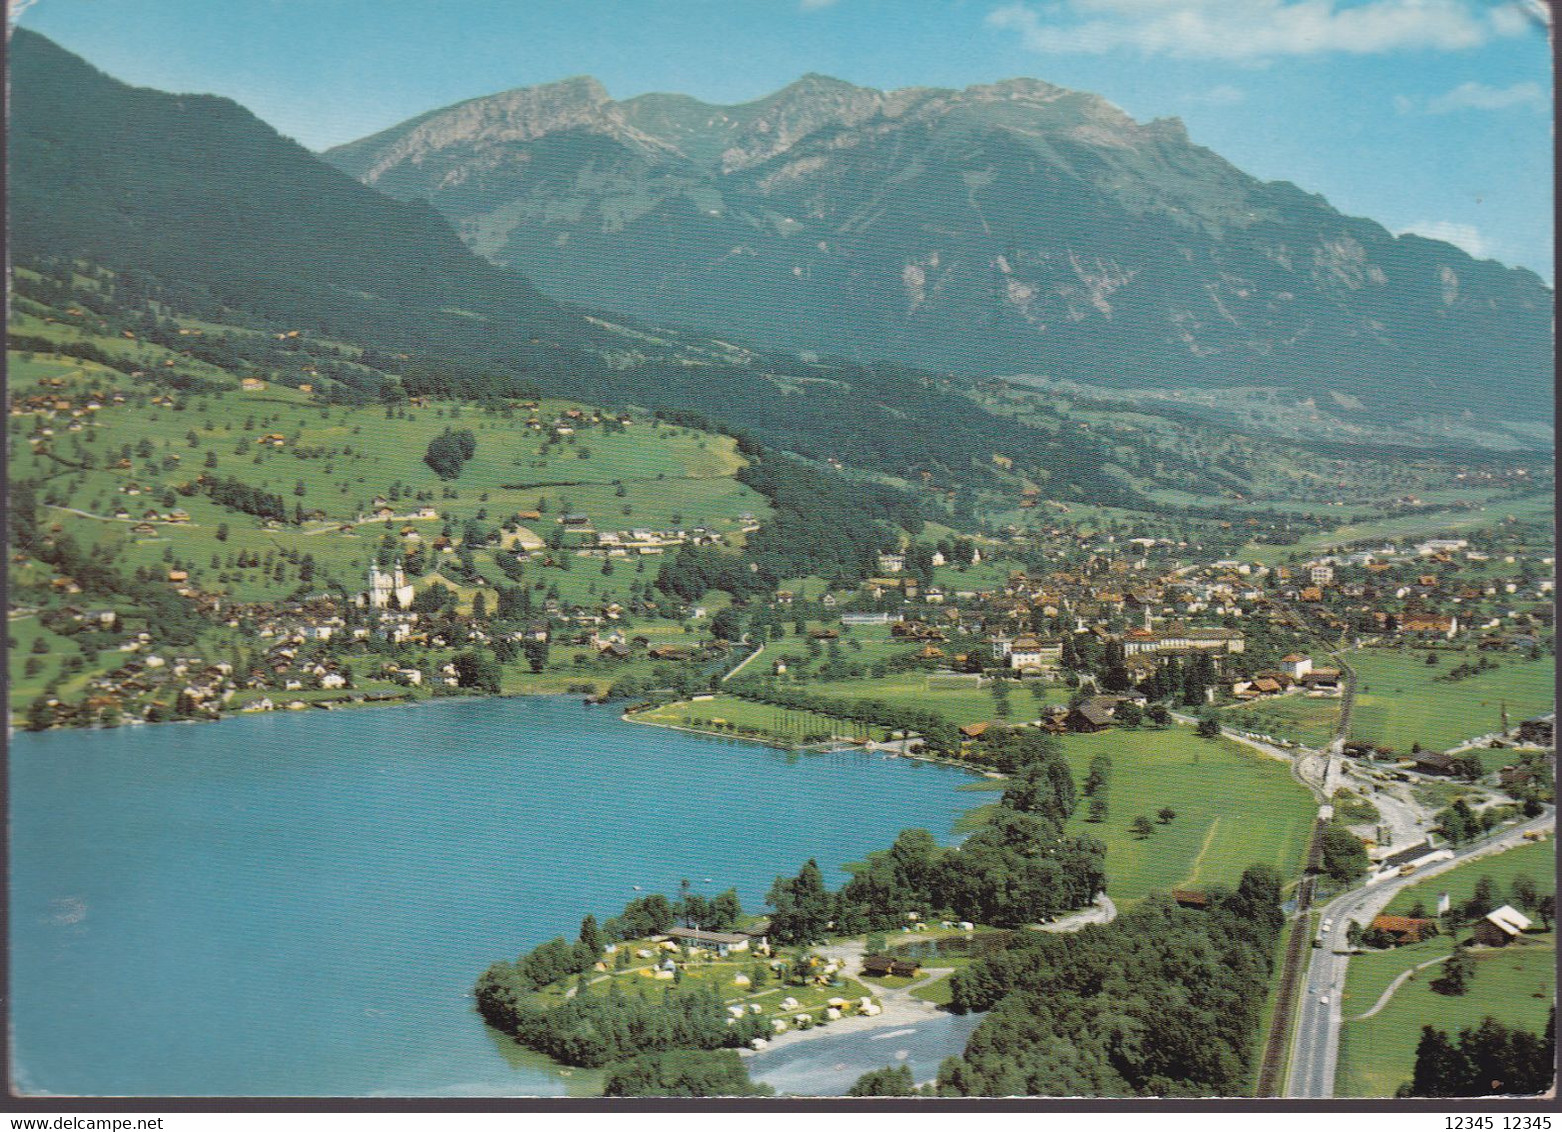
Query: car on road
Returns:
{"type": "Point", "coordinates": [1323, 998]}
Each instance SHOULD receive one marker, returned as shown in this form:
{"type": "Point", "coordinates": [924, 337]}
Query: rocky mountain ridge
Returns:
{"type": "Point", "coordinates": [1013, 227]}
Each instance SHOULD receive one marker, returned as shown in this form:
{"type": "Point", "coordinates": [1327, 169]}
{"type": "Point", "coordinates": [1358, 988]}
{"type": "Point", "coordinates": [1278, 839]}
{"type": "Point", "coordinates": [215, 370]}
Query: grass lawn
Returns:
{"type": "Point", "coordinates": [939, 992]}
{"type": "Point", "coordinates": [762, 720]}
{"type": "Point", "coordinates": [959, 703]}
{"type": "Point", "coordinates": [1308, 720]}
{"type": "Point", "coordinates": [1515, 985]}
{"type": "Point", "coordinates": [1399, 701]}
{"type": "Point", "coordinates": [1234, 809]}
{"type": "Point", "coordinates": [638, 981]}
{"type": "Point", "coordinates": [1534, 859]}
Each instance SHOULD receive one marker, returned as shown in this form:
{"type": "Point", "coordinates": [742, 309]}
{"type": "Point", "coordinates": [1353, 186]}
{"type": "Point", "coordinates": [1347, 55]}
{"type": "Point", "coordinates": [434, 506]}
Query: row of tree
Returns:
{"type": "Point", "coordinates": [1486, 1060]}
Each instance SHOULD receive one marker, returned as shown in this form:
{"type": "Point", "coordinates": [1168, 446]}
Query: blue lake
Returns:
{"type": "Point", "coordinates": [298, 904]}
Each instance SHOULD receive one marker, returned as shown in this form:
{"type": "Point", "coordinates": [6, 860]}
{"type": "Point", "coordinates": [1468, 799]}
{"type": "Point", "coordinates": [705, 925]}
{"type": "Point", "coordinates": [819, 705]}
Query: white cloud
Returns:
{"type": "Point", "coordinates": [1479, 96]}
{"type": "Point", "coordinates": [1465, 236]}
{"type": "Point", "coordinates": [1222, 95]}
{"type": "Point", "coordinates": [1244, 30]}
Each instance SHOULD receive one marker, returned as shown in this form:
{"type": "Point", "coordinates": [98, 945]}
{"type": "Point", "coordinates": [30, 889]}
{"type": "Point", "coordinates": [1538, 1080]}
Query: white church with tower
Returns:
{"type": "Point", "coordinates": [387, 588]}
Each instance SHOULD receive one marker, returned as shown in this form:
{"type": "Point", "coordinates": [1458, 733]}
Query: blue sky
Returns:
{"type": "Point", "coordinates": [1432, 115]}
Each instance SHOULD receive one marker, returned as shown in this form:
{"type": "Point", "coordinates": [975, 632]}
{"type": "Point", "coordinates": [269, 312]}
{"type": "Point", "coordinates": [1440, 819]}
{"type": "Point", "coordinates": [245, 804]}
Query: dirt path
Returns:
{"type": "Point", "coordinates": [1198, 862]}
{"type": "Point", "coordinates": [1404, 976]}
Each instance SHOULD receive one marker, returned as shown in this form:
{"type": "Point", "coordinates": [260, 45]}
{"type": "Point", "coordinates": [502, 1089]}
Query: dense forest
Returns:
{"type": "Point", "coordinates": [1161, 1002]}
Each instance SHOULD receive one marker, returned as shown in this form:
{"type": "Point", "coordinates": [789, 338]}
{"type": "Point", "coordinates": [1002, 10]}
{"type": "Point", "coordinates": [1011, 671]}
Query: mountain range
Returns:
{"type": "Point", "coordinates": [1012, 228]}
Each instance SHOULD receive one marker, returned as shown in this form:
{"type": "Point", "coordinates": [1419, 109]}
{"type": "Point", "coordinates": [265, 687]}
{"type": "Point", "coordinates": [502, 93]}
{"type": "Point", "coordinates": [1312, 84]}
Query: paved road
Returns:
{"type": "Point", "coordinates": [1315, 1049]}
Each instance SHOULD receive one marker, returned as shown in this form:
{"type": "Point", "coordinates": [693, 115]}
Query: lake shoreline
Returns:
{"type": "Point", "coordinates": [450, 836]}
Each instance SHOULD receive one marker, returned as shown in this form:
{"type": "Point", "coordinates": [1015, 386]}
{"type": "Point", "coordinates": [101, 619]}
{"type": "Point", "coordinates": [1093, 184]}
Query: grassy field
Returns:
{"type": "Point", "coordinates": [1516, 985]}
{"type": "Point", "coordinates": [336, 460]}
{"type": "Point", "coordinates": [959, 703]}
{"type": "Point", "coordinates": [764, 982]}
{"type": "Point", "coordinates": [1485, 514]}
{"type": "Point", "coordinates": [761, 720]}
{"type": "Point", "coordinates": [1535, 859]}
{"type": "Point", "coordinates": [99, 475]}
{"type": "Point", "coordinates": [1399, 701]}
{"type": "Point", "coordinates": [1513, 985]}
{"type": "Point", "coordinates": [1308, 720]}
{"type": "Point", "coordinates": [1234, 809]}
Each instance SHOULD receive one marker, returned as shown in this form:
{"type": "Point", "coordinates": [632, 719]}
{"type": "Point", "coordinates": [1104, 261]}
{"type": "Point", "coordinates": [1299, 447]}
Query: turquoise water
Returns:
{"type": "Point", "coordinates": [298, 904]}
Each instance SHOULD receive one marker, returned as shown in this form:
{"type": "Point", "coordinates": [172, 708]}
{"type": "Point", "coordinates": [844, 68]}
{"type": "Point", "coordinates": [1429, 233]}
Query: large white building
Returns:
{"type": "Point", "coordinates": [384, 585]}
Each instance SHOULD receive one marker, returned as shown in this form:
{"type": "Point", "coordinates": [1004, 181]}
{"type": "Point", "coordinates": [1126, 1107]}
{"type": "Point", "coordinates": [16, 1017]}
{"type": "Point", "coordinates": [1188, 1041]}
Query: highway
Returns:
{"type": "Point", "coordinates": [1316, 1045]}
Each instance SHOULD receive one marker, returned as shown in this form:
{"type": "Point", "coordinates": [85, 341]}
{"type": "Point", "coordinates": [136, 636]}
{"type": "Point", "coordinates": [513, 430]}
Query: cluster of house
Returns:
{"type": "Point", "coordinates": [618, 646]}
{"type": "Point", "coordinates": [589, 543]}
{"type": "Point", "coordinates": [1437, 597]}
{"type": "Point", "coordinates": [1498, 928]}
{"type": "Point", "coordinates": [199, 687]}
{"type": "Point", "coordinates": [1295, 674]}
{"type": "Point", "coordinates": [1088, 716]}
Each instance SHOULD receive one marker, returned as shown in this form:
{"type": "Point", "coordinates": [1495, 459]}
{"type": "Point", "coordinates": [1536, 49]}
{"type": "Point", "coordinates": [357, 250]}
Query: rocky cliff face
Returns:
{"type": "Point", "coordinates": [1016, 227]}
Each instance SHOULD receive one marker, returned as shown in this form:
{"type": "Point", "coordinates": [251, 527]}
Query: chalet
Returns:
{"type": "Point", "coordinates": [1430, 624]}
{"type": "Point", "coordinates": [1322, 680]}
{"type": "Point", "coordinates": [1500, 927]}
{"type": "Point", "coordinates": [1438, 763]}
{"type": "Point", "coordinates": [1190, 898]}
{"type": "Point", "coordinates": [975, 730]}
{"type": "Point", "coordinates": [1404, 929]}
{"type": "Point", "coordinates": [1089, 717]}
{"type": "Point", "coordinates": [1512, 777]}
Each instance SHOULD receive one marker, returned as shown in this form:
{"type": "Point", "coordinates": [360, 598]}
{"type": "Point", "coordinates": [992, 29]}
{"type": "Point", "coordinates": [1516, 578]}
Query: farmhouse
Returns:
{"type": "Point", "coordinates": [1435, 762]}
{"type": "Point", "coordinates": [1089, 717]}
{"type": "Point", "coordinates": [1501, 926]}
{"type": "Point", "coordinates": [1404, 929]}
{"type": "Point", "coordinates": [1538, 732]}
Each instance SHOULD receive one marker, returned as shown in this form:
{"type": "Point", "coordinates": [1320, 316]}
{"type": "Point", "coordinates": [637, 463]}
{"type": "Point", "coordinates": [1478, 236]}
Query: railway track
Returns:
{"type": "Point", "coordinates": [1293, 967]}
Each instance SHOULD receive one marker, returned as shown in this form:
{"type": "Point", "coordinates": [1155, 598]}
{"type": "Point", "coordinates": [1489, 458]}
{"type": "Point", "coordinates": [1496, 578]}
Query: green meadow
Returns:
{"type": "Point", "coordinates": [1234, 808]}
{"type": "Point", "coordinates": [1400, 701]}
{"type": "Point", "coordinates": [1515, 985]}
